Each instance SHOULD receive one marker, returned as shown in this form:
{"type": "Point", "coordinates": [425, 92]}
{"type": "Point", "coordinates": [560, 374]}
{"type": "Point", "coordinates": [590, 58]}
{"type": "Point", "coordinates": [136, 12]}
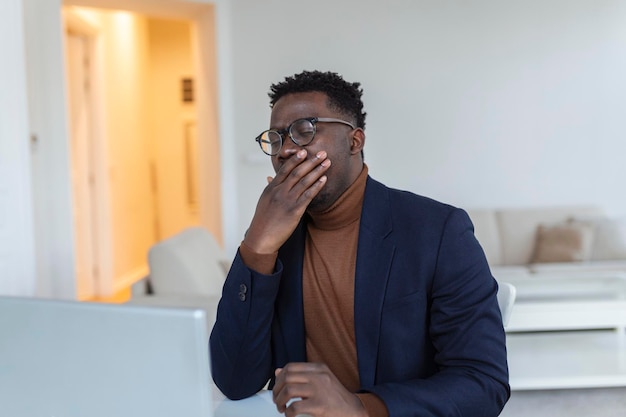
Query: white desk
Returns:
{"type": "Point", "coordinates": [563, 360]}
{"type": "Point", "coordinates": [259, 405]}
{"type": "Point", "coordinates": [569, 303]}
{"type": "Point", "coordinates": [572, 356]}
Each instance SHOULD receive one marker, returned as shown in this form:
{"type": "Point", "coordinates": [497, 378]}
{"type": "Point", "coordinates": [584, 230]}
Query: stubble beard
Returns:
{"type": "Point", "coordinates": [320, 202]}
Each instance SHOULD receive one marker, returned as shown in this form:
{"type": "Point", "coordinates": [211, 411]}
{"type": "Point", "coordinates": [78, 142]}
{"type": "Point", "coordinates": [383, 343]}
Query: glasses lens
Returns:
{"type": "Point", "coordinates": [270, 142]}
{"type": "Point", "coordinates": [302, 131]}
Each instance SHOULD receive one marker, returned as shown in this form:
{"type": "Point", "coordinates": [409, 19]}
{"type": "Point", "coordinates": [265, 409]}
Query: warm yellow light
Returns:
{"type": "Point", "coordinates": [124, 32]}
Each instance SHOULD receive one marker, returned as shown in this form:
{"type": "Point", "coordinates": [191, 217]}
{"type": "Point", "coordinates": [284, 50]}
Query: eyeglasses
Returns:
{"type": "Point", "coordinates": [301, 132]}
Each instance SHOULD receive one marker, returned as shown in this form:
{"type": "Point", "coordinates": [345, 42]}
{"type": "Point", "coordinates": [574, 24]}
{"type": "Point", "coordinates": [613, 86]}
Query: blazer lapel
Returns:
{"type": "Point", "coordinates": [374, 257]}
{"type": "Point", "coordinates": [290, 310]}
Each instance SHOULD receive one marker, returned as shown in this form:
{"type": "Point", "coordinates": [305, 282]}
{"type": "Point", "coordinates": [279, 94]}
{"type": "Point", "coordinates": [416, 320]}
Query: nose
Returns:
{"type": "Point", "coordinates": [289, 147]}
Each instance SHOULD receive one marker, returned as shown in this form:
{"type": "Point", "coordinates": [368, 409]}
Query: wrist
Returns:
{"type": "Point", "coordinates": [258, 247]}
{"type": "Point", "coordinates": [262, 263]}
{"type": "Point", "coordinates": [260, 241]}
{"type": "Point", "coordinates": [374, 405]}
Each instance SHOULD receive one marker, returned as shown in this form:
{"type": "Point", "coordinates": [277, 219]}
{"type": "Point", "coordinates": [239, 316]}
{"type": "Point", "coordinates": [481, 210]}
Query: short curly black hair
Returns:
{"type": "Point", "coordinates": [343, 96]}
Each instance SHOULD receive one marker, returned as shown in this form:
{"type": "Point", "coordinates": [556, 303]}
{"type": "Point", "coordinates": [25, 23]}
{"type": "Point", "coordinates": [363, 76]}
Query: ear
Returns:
{"type": "Point", "coordinates": [358, 141]}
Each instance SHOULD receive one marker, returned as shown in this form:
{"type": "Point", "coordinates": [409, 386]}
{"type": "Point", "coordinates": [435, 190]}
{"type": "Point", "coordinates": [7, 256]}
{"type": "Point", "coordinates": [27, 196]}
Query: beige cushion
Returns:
{"type": "Point", "coordinates": [569, 241]}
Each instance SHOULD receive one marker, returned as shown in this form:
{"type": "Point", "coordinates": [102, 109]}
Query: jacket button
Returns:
{"type": "Point", "coordinates": [243, 288]}
{"type": "Point", "coordinates": [242, 296]}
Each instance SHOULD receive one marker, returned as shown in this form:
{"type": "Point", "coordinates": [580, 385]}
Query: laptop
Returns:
{"type": "Point", "coordinates": [73, 359]}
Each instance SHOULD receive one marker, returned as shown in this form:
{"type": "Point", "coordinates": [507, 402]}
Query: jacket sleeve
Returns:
{"type": "Point", "coordinates": [466, 332]}
{"type": "Point", "coordinates": [240, 342]}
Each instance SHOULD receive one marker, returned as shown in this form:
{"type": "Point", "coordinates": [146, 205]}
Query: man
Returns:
{"type": "Point", "coordinates": [352, 298]}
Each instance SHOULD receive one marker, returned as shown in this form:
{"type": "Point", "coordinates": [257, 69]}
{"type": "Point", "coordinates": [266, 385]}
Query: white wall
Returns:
{"type": "Point", "coordinates": [169, 61]}
{"type": "Point", "coordinates": [213, 121]}
{"type": "Point", "coordinates": [17, 259]}
{"type": "Point", "coordinates": [479, 104]}
{"type": "Point", "coordinates": [50, 156]}
{"type": "Point", "coordinates": [482, 103]}
{"type": "Point", "coordinates": [125, 51]}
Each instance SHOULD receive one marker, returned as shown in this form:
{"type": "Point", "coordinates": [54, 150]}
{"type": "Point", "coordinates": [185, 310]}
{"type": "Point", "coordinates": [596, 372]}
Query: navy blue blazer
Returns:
{"type": "Point", "coordinates": [429, 334]}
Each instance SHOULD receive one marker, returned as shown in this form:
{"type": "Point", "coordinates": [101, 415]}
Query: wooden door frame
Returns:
{"type": "Point", "coordinates": [101, 224]}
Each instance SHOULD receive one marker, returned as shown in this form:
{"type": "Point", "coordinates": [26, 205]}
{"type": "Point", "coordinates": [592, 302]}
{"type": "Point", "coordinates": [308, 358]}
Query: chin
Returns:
{"type": "Point", "coordinates": [321, 202]}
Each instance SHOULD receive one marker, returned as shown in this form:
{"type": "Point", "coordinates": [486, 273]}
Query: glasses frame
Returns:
{"type": "Point", "coordinates": [282, 132]}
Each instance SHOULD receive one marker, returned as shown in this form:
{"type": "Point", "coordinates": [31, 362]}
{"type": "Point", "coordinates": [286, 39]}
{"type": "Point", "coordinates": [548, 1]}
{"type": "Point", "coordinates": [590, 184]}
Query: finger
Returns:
{"type": "Point", "coordinates": [300, 408]}
{"type": "Point", "coordinates": [286, 375]}
{"type": "Point", "coordinates": [293, 172]}
{"type": "Point", "coordinates": [309, 194]}
{"type": "Point", "coordinates": [302, 184]}
{"type": "Point", "coordinates": [278, 382]}
{"type": "Point", "coordinates": [290, 393]}
{"type": "Point", "coordinates": [290, 163]}
{"type": "Point", "coordinates": [309, 186]}
{"type": "Point", "coordinates": [295, 373]}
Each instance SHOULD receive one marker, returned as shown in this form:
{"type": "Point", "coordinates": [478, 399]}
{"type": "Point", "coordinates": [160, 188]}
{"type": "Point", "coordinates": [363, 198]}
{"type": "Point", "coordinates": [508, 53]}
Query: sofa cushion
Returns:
{"type": "Point", "coordinates": [610, 239]}
{"type": "Point", "coordinates": [569, 241]}
{"type": "Point", "coordinates": [486, 231]}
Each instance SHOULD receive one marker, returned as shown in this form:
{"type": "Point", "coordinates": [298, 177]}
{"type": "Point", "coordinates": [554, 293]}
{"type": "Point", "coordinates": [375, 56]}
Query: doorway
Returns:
{"type": "Point", "coordinates": [153, 179]}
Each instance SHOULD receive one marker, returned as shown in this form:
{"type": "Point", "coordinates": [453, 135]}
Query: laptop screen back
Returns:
{"type": "Point", "coordinates": [71, 359]}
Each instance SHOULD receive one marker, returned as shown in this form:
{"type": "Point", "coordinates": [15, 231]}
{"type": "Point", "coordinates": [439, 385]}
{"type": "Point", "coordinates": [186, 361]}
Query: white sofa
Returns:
{"type": "Point", "coordinates": [515, 239]}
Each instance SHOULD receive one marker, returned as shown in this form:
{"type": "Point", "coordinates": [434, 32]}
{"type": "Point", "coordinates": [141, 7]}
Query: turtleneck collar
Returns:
{"type": "Point", "coordinates": [346, 210]}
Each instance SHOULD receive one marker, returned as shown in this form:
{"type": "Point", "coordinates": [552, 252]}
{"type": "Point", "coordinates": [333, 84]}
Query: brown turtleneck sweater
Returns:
{"type": "Point", "coordinates": [328, 288]}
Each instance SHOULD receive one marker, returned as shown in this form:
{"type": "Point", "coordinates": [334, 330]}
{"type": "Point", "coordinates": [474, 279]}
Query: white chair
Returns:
{"type": "Point", "coordinates": [188, 263]}
{"type": "Point", "coordinates": [506, 299]}
{"type": "Point", "coordinates": [187, 270]}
